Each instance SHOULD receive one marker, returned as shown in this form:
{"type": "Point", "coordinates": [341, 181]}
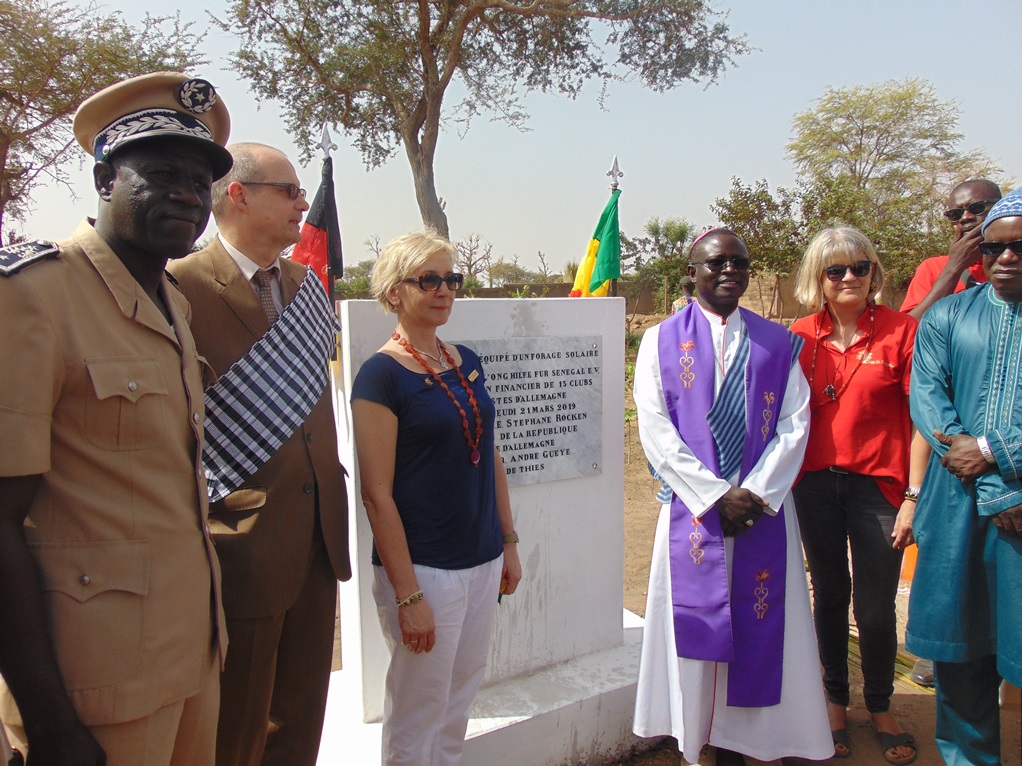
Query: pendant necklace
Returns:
{"type": "Point", "coordinates": [473, 444]}
{"type": "Point", "coordinates": [829, 389]}
{"type": "Point", "coordinates": [438, 359]}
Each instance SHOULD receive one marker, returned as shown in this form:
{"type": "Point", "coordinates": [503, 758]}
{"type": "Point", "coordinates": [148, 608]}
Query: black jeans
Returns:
{"type": "Point", "coordinates": [837, 511]}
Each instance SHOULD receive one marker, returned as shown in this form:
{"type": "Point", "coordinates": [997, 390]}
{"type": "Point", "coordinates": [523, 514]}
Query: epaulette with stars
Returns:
{"type": "Point", "coordinates": [14, 258]}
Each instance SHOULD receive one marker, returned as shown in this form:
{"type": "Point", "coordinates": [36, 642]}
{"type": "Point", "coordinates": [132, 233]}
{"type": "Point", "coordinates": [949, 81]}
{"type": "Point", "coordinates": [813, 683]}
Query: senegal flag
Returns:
{"type": "Point", "coordinates": [603, 259]}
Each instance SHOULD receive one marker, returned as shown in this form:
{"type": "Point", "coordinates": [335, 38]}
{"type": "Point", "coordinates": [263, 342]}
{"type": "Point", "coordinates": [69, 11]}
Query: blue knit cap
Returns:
{"type": "Point", "coordinates": [1007, 206]}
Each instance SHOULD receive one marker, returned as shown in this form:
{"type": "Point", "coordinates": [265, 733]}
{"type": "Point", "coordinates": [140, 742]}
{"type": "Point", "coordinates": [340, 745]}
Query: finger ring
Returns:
{"type": "Point", "coordinates": [749, 522]}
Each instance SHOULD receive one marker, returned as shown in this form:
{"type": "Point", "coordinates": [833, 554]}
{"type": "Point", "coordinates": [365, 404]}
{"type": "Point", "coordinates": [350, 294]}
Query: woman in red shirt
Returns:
{"type": "Point", "coordinates": [857, 358]}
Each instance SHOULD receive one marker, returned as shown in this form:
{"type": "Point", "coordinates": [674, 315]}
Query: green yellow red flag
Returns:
{"type": "Point", "coordinates": [602, 261]}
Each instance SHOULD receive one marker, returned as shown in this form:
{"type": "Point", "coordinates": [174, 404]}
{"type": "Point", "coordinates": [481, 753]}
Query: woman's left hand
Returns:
{"type": "Point", "coordinates": [902, 533]}
{"type": "Point", "coordinates": [512, 573]}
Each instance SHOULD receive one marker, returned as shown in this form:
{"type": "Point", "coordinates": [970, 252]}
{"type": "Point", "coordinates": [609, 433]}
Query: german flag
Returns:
{"type": "Point", "coordinates": [320, 245]}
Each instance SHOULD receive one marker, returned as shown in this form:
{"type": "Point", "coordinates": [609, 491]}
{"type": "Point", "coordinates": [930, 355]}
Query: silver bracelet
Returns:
{"type": "Point", "coordinates": [985, 451]}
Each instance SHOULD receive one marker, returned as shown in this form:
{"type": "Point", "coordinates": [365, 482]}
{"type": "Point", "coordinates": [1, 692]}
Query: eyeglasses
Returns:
{"type": "Point", "coordinates": [858, 269]}
{"type": "Point", "coordinates": [717, 265]}
{"type": "Point", "coordinates": [976, 208]}
{"type": "Point", "coordinates": [994, 249]}
{"type": "Point", "coordinates": [293, 191]}
{"type": "Point", "coordinates": [433, 281]}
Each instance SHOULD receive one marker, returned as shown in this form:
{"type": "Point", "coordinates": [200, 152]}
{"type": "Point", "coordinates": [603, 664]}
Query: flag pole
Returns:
{"type": "Point", "coordinates": [614, 173]}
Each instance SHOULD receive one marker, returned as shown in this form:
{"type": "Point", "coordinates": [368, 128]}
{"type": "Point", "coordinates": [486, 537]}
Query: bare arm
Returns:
{"type": "Point", "coordinates": [962, 254]}
{"type": "Point", "coordinates": [375, 428]}
{"type": "Point", "coordinates": [919, 455]}
{"type": "Point", "coordinates": [512, 573]}
{"type": "Point", "coordinates": [27, 659]}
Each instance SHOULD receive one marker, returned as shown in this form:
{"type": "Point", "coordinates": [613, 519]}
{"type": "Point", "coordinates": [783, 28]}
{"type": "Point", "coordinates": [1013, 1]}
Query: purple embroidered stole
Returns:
{"type": "Point", "coordinates": [743, 627]}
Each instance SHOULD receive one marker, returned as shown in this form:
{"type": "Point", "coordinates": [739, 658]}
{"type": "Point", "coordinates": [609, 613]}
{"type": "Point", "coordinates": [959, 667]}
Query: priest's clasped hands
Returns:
{"type": "Point", "coordinates": [739, 508]}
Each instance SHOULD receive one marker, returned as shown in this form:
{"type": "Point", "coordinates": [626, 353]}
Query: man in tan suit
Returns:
{"type": "Point", "coordinates": [282, 538]}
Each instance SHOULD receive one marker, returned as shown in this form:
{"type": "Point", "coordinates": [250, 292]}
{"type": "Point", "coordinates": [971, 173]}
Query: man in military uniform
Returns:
{"type": "Point", "coordinates": [109, 585]}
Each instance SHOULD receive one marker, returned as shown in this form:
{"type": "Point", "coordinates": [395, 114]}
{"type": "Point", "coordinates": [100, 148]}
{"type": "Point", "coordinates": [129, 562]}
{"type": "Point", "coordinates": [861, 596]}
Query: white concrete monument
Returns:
{"type": "Point", "coordinates": [560, 686]}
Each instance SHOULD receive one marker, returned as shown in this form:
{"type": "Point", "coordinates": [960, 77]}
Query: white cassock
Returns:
{"type": "Point", "coordinates": [687, 698]}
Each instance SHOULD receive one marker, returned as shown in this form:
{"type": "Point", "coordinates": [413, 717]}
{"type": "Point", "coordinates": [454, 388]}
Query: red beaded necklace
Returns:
{"type": "Point", "coordinates": [473, 444]}
{"type": "Point", "coordinates": [829, 388]}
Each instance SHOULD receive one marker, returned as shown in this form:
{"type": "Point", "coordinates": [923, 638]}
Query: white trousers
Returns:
{"type": "Point", "coordinates": [428, 695]}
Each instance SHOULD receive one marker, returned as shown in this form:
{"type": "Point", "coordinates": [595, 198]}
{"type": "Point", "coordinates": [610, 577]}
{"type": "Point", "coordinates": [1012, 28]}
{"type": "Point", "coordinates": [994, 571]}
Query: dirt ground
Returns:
{"type": "Point", "coordinates": [912, 704]}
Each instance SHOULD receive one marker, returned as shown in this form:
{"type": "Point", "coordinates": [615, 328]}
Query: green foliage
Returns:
{"type": "Point", "coordinates": [767, 224]}
{"type": "Point", "coordinates": [658, 255]}
{"type": "Point", "coordinates": [630, 352]}
{"type": "Point", "coordinates": [56, 54]}
{"type": "Point", "coordinates": [382, 69]}
{"type": "Point", "coordinates": [880, 157]}
{"type": "Point", "coordinates": [504, 273]}
{"type": "Point", "coordinates": [356, 280]}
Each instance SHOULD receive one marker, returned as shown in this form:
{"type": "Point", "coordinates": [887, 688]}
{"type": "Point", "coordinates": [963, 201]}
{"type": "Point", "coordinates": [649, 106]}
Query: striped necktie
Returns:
{"type": "Point", "coordinates": [727, 416]}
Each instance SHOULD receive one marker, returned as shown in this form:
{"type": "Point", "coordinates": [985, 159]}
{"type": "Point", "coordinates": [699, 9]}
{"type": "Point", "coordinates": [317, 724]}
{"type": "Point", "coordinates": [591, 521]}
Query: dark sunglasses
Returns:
{"type": "Point", "coordinates": [433, 281]}
{"type": "Point", "coordinates": [293, 190]}
{"type": "Point", "coordinates": [719, 264]}
{"type": "Point", "coordinates": [858, 269]}
{"type": "Point", "coordinates": [976, 208]}
{"type": "Point", "coordinates": [994, 249]}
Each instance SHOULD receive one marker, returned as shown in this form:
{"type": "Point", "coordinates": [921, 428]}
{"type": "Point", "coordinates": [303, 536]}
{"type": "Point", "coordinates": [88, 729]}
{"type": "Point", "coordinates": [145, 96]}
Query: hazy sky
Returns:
{"type": "Point", "coordinates": [543, 190]}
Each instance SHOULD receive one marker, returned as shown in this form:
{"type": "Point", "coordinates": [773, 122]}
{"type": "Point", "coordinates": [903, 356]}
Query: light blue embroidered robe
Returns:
{"type": "Point", "coordinates": [967, 378]}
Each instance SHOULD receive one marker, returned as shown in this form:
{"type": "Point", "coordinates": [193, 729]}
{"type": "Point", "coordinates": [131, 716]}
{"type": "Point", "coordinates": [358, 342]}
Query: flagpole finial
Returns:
{"type": "Point", "coordinates": [614, 173]}
{"type": "Point", "coordinates": [325, 142]}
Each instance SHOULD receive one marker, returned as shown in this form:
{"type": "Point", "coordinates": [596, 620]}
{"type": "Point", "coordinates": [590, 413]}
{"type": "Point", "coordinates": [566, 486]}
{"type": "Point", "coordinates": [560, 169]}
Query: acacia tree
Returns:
{"type": "Point", "coordinates": [381, 69]}
{"type": "Point", "coordinates": [896, 141]}
{"type": "Point", "coordinates": [56, 54]}
{"type": "Point", "coordinates": [880, 157]}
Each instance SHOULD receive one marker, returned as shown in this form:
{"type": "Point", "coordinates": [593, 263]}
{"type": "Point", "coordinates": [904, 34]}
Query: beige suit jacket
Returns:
{"type": "Point", "coordinates": [264, 530]}
{"type": "Point", "coordinates": [100, 396]}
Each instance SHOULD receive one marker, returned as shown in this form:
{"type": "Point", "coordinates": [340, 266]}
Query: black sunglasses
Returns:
{"type": "Point", "coordinates": [976, 208]}
{"type": "Point", "coordinates": [717, 265]}
{"type": "Point", "coordinates": [858, 269]}
{"type": "Point", "coordinates": [994, 249]}
{"type": "Point", "coordinates": [433, 281]}
{"type": "Point", "coordinates": [293, 190]}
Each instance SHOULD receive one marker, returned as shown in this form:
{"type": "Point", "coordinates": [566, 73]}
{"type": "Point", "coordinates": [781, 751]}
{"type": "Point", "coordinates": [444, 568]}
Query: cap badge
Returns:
{"type": "Point", "coordinates": [197, 96]}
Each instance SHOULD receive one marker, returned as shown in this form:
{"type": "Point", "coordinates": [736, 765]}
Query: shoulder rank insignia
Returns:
{"type": "Point", "coordinates": [14, 258]}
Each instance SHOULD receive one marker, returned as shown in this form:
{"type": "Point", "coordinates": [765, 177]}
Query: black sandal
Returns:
{"type": "Point", "coordinates": [842, 744]}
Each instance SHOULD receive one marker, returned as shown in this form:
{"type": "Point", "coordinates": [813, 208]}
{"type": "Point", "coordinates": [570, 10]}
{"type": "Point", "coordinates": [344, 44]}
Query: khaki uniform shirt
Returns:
{"type": "Point", "coordinates": [104, 399]}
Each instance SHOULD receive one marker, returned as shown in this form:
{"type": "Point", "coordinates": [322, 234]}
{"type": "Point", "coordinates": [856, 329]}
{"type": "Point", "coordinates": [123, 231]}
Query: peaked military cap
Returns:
{"type": "Point", "coordinates": [158, 105]}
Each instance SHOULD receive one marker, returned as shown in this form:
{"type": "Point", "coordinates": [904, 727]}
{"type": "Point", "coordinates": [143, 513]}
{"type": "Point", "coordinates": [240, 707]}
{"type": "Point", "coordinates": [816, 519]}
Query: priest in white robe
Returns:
{"type": "Point", "coordinates": [708, 674]}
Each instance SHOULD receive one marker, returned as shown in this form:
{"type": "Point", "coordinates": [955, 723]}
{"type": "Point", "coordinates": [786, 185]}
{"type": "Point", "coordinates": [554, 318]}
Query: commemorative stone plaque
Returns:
{"type": "Point", "coordinates": [548, 392]}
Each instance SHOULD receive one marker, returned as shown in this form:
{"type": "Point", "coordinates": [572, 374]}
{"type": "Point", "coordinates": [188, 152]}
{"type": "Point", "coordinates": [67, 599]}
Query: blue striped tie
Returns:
{"type": "Point", "coordinates": [727, 416]}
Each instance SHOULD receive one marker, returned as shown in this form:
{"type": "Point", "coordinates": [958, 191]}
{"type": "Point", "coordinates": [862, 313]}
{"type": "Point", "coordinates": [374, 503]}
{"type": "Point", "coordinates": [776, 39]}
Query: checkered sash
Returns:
{"type": "Point", "coordinates": [267, 394]}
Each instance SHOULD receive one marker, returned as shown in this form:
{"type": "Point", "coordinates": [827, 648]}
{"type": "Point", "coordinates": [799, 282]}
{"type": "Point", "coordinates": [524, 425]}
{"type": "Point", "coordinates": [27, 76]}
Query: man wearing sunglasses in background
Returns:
{"type": "Point", "coordinates": [944, 275]}
{"type": "Point", "coordinates": [282, 538]}
{"type": "Point", "coordinates": [965, 611]}
{"type": "Point", "coordinates": [723, 412]}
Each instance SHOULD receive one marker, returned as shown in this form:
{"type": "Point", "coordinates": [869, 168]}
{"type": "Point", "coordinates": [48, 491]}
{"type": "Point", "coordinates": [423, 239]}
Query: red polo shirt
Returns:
{"type": "Point", "coordinates": [867, 429]}
{"type": "Point", "coordinates": [926, 274]}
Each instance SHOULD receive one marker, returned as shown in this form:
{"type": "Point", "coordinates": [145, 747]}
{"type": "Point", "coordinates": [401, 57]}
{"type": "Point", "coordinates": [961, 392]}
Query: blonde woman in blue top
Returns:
{"type": "Point", "coordinates": [436, 494]}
